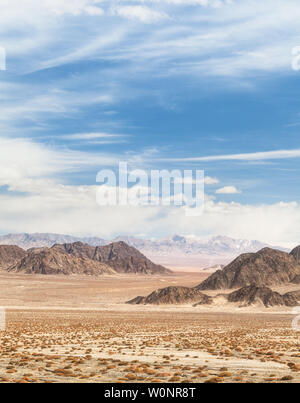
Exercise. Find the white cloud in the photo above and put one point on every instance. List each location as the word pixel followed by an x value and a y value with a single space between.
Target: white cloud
pixel 220 38
pixel 204 3
pixel 91 136
pixel 211 181
pixel 96 138
pixel 23 161
pixel 37 104
pixel 37 200
pixel 228 190
pixel 141 13
pixel 257 156
pixel 225 41
pixel 58 7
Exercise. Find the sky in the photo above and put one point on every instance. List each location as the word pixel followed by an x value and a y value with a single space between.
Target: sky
pixel 161 84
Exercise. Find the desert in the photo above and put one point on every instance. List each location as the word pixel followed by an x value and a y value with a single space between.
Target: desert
pixel 81 328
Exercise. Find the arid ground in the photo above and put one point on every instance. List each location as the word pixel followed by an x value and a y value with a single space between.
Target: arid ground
pixel 78 329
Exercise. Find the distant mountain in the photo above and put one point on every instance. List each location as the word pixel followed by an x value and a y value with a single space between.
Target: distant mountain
pixel 28 241
pixel 175 250
pixel 218 245
pixel 265 268
pixel 52 261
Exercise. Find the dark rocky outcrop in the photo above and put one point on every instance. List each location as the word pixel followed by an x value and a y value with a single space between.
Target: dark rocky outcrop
pixel 293 294
pixel 296 279
pixel 268 267
pixel 262 295
pixel 173 295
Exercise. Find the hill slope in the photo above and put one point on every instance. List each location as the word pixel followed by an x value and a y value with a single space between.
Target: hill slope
pixel 51 261
pixel 76 249
pixel 120 256
pixel 126 259
pixel 265 268
pixel 172 295
pixel 246 296
pixel 262 295
pixel 10 255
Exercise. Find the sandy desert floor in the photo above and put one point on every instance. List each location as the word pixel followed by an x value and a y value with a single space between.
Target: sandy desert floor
pixel 79 330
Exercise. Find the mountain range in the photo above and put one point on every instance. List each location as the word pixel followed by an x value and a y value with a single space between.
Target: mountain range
pixel 250 274
pixel 245 296
pixel 173 251
pixel 79 259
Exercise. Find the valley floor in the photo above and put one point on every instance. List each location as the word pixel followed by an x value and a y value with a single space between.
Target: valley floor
pixel 75 330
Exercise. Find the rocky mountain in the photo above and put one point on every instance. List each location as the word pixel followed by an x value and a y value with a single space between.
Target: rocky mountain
pixel 296 253
pixel 191 250
pixel 173 295
pixel 78 258
pixel 265 268
pixel 254 295
pixel 126 259
pixel 76 249
pixel 10 255
pixel 243 297
pixel 118 255
pixel 52 261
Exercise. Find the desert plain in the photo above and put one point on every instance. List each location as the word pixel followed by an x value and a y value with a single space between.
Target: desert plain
pixel 79 329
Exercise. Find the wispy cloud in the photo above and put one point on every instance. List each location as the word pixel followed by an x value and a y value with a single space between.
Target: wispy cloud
pixel 257 156
pixel 96 138
pixel 141 13
pixel 222 38
pixel 70 63
pixel 92 136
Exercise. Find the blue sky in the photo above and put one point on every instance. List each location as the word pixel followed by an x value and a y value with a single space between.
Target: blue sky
pixel 161 84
